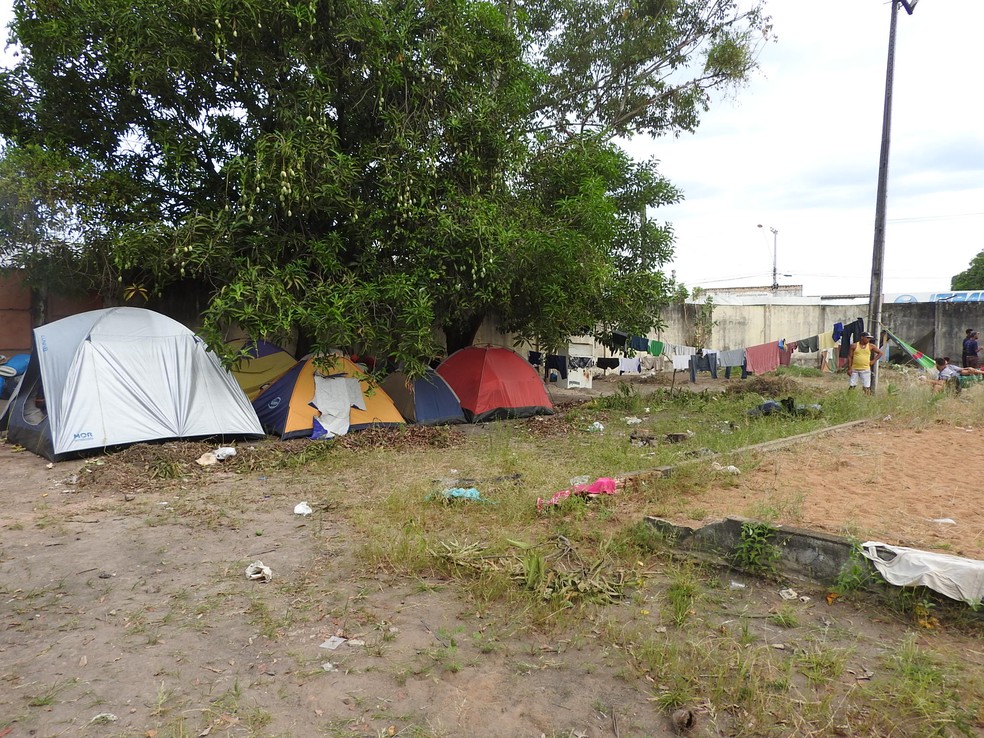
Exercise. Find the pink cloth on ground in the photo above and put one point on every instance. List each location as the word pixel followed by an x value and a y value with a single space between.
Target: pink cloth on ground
pixel 762 358
pixel 601 486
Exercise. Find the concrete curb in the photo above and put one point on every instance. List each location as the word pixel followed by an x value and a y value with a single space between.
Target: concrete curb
pixel 819 557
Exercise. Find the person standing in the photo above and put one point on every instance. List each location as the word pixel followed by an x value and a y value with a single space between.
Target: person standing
pixel 971 350
pixel 861 357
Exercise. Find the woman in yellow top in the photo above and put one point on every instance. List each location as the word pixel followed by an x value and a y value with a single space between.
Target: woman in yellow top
pixel 860 359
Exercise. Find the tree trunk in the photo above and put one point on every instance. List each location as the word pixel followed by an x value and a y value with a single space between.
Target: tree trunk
pixel 462 333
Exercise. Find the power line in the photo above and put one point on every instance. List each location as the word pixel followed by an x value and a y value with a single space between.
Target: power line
pixel 925 218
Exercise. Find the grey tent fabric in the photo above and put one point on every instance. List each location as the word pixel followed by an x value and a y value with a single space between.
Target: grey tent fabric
pixel 123 375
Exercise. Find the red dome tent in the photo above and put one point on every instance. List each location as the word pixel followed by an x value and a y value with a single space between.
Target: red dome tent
pixel 493 382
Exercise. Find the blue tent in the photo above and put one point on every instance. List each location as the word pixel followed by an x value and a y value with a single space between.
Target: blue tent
pixel 428 400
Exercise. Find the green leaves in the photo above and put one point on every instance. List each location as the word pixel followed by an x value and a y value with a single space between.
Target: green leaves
pixel 354 174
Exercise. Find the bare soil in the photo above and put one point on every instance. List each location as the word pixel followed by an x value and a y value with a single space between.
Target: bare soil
pixel 126 612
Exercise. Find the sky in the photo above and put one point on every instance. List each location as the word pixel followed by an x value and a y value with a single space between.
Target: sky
pixel 797 150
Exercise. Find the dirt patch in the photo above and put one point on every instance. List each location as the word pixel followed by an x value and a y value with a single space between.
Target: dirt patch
pixel 126 610
pixel 904 486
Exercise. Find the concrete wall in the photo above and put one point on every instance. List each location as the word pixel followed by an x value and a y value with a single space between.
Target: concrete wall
pixel 934 328
pixel 15 314
pixel 22 308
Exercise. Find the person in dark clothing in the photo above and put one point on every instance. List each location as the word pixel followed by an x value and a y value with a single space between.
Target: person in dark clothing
pixel 971 350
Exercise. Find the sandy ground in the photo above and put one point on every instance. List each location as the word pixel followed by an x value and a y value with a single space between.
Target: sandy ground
pixel 904 486
pixel 126 615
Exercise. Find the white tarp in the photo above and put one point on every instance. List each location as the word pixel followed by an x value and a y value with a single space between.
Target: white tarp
pixel 954 576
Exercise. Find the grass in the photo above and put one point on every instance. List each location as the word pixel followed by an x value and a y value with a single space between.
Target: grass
pixel 677 632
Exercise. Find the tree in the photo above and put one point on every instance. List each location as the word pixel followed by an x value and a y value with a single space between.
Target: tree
pixel 971 278
pixel 359 172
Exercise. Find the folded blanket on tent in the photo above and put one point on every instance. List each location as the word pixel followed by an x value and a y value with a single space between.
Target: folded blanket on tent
pixel 954 576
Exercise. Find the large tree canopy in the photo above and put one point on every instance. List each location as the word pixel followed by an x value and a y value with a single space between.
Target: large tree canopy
pixel 360 172
pixel 972 278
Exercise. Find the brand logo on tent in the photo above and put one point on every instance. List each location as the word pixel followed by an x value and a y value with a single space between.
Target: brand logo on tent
pixel 82 437
pixel 274 402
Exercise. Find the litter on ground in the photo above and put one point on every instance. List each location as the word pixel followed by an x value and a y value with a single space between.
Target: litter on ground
pixel 257 571
pixel 601 486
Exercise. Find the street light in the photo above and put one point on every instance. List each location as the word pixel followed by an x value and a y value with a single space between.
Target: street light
pixel 881 197
pixel 775 251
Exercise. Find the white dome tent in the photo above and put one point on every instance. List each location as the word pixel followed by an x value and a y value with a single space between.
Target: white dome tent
pixel 118 376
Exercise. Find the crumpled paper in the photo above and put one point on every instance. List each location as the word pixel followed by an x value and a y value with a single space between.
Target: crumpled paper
pixel 258 571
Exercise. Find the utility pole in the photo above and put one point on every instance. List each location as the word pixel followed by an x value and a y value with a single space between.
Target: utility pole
pixel 881 197
pixel 775 253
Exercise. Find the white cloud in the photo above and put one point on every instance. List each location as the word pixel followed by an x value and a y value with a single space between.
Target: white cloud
pixel 798 150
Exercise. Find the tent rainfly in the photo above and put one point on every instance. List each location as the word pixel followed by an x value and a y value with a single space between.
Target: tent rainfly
pixel 494 382
pixel 264 363
pixel 119 376
pixel 329 390
pixel 427 400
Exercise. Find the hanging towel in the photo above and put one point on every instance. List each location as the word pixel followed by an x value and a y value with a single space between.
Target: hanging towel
pixel 734 357
pixel 826 340
pixel 656 348
pixel 762 358
pixel 681 362
pixel 676 349
pixel 555 361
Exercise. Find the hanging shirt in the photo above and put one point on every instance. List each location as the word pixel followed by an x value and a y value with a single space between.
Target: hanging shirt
pixel 826 340
pixel 628 365
pixel 656 348
pixel 706 363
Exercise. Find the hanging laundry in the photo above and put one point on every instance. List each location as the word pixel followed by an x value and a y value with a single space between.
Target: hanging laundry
pixel 681 362
pixel 786 355
pixel 639 343
pixel 607 363
pixel 706 363
pixel 762 358
pixel 535 358
pixel 838 330
pixel 808 345
pixel 629 365
pixel 852 332
pixel 582 362
pixel 734 357
pixel 555 361
pixel 648 362
pixel 826 340
pixel 656 348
